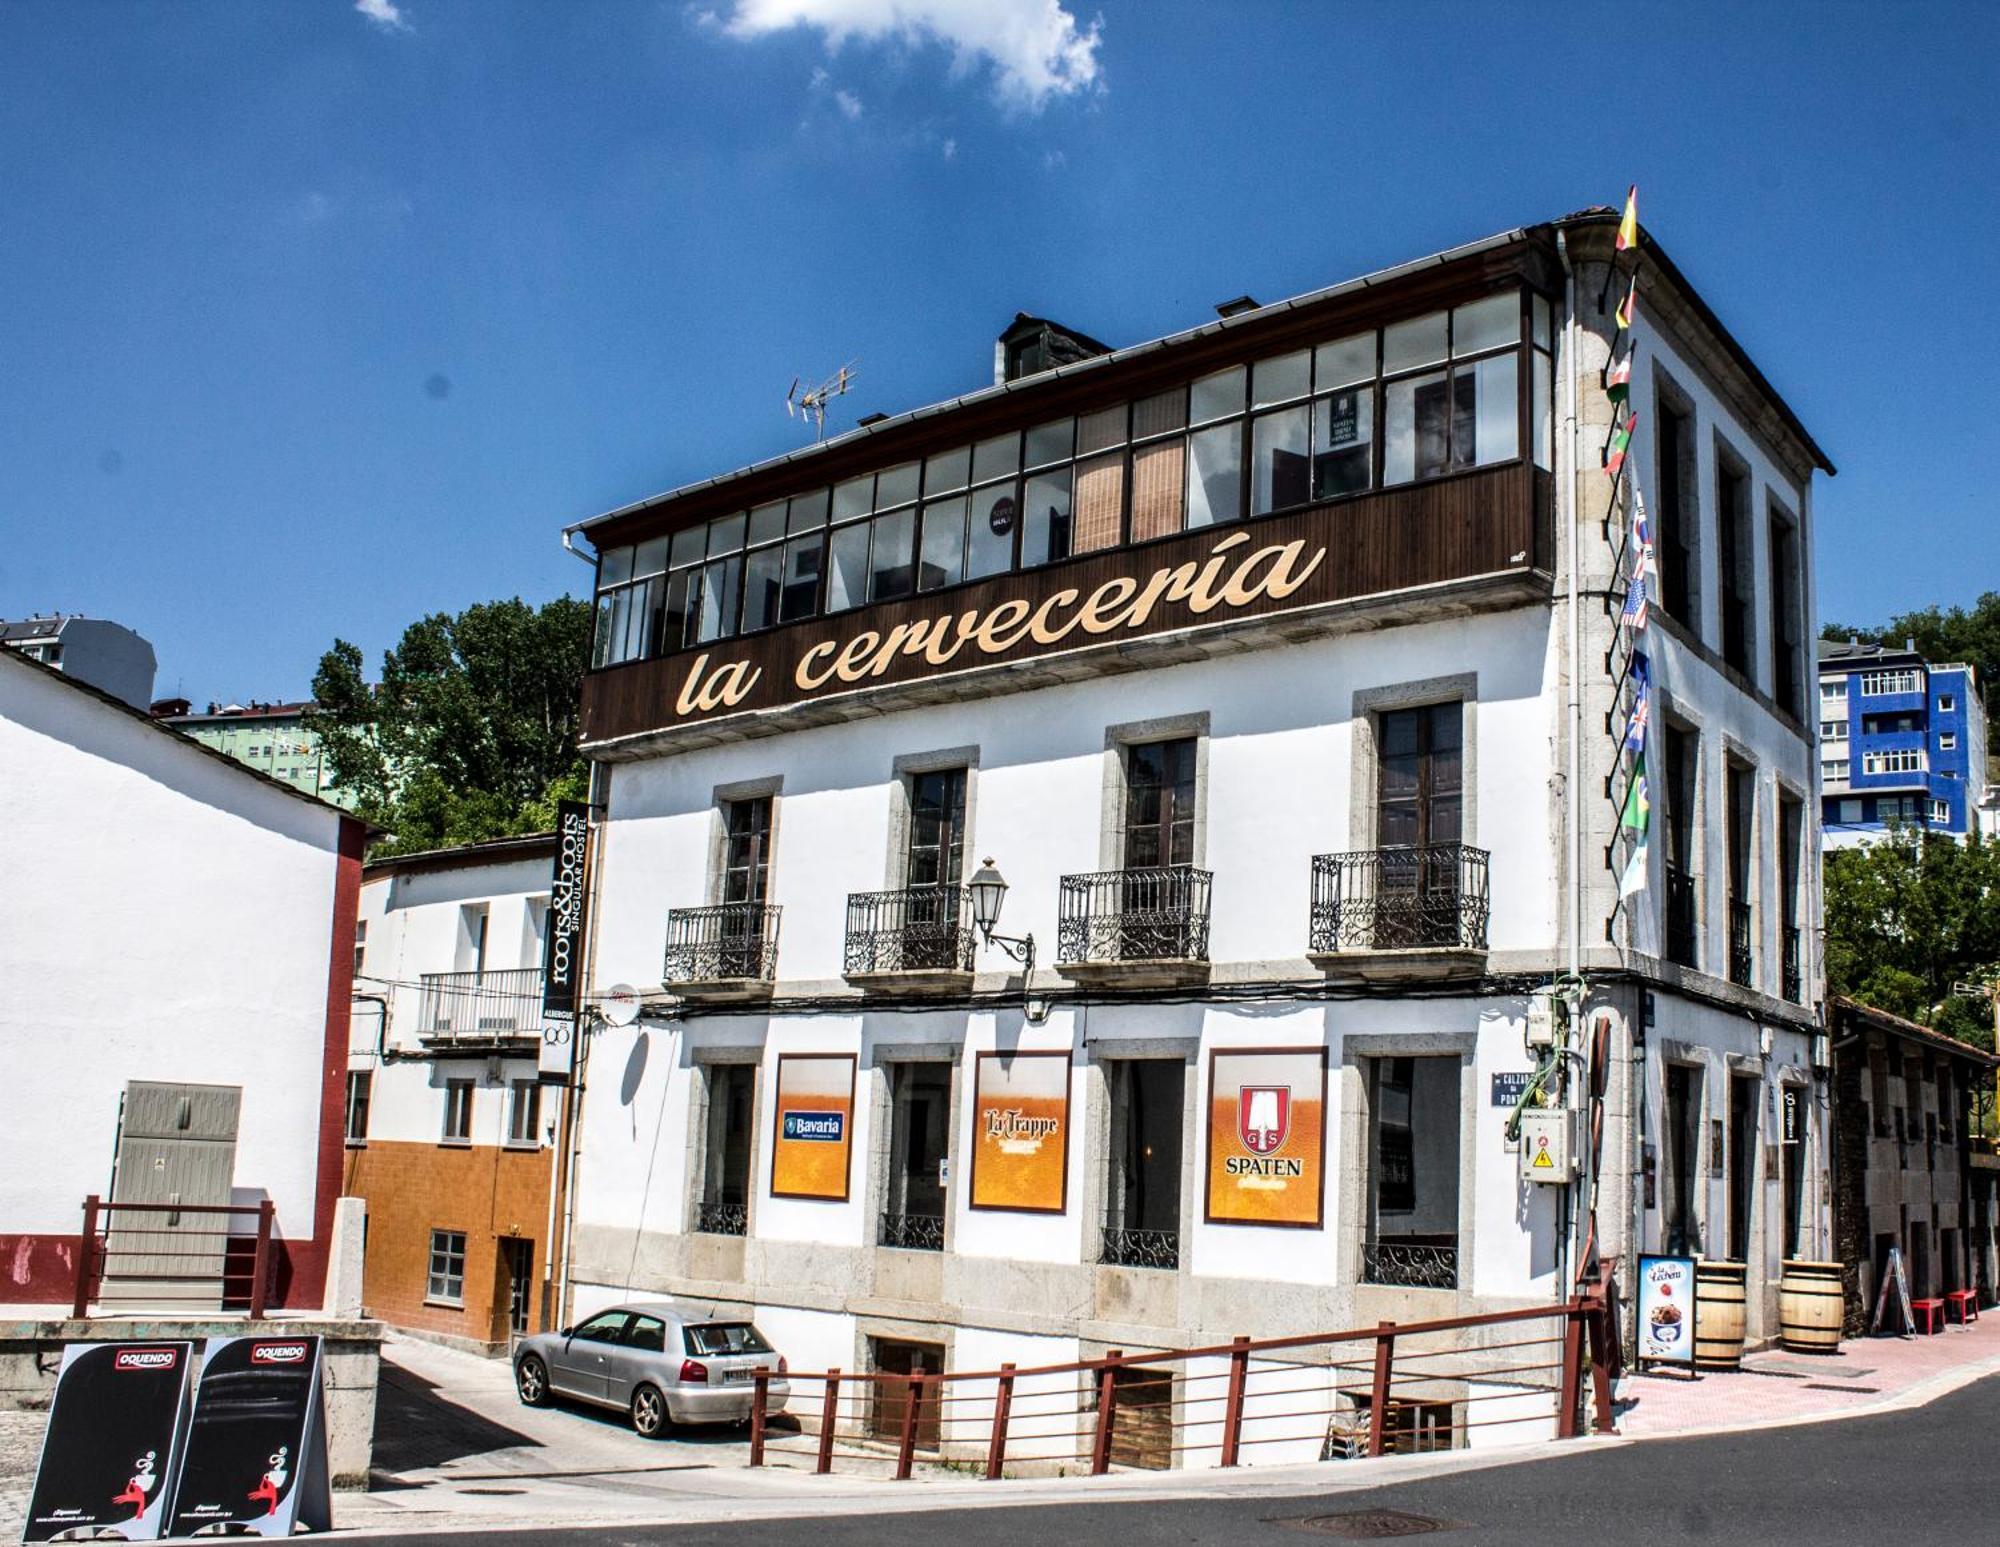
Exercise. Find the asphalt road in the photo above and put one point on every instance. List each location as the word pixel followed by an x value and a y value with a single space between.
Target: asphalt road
pixel 1909 1478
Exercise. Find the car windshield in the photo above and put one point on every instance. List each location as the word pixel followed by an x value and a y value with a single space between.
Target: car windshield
pixel 726 1337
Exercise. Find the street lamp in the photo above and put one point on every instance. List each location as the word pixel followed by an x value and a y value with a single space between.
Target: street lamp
pixel 989 890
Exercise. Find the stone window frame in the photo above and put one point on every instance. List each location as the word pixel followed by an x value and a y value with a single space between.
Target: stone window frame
pixel 1095 1192
pixel 1669 396
pixel 700 1061
pixel 1739 757
pixel 1119 740
pixel 771 785
pixel 881 1136
pixel 1690 1055
pixel 1364 771
pixel 1725 455
pixel 904 770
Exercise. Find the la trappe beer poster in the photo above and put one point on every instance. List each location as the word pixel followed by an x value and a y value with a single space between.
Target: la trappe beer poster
pixel 1020 1132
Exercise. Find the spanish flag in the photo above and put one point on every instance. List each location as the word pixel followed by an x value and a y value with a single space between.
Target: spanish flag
pixel 1628 228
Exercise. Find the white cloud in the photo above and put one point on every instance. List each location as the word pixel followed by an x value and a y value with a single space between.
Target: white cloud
pixel 384 13
pixel 848 103
pixel 1054 159
pixel 950 148
pixel 1034 47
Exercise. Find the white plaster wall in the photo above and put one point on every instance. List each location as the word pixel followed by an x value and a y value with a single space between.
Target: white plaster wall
pixel 172 919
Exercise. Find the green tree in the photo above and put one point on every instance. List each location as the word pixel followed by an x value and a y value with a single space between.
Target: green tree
pixel 471 731
pixel 1909 917
pixel 1943 634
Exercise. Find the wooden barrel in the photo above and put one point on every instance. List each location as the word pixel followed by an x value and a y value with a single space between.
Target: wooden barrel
pixel 1718 1315
pixel 1811 1306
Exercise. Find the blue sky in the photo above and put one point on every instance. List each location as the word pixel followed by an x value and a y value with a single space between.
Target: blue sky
pixel 324 316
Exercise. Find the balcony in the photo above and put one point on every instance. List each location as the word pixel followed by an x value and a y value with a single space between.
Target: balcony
pixel 1139 927
pixel 1680 941
pixel 480 1008
pixel 1410 1264
pixel 1140 1248
pixel 721 1218
pixel 912 1232
pixel 1401 913
pixel 729 951
pixel 1794 975
pixel 919 939
pixel 1742 958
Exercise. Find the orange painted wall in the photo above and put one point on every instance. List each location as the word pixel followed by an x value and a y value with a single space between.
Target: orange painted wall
pixel 482 1189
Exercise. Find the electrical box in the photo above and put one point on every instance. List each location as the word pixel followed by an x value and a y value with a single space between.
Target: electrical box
pixel 1549 1145
pixel 1541 1020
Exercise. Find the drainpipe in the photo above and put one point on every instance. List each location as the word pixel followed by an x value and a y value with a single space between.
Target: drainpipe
pixel 1566 509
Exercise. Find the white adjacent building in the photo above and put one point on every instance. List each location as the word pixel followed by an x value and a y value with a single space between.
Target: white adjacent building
pixel 1274 665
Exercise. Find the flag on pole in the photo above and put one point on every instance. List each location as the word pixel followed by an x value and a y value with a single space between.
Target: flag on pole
pixel 1618 379
pixel 1628 309
pixel 1633 616
pixel 1628 228
pixel 1642 704
pixel 1621 442
pixel 1636 819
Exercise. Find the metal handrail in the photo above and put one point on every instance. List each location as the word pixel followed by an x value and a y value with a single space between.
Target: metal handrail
pixel 731 940
pixel 910 929
pixel 912 1232
pixel 1409 1265
pixel 503 1001
pixel 722 1218
pixel 94 1249
pixel 1149 913
pixel 1401 898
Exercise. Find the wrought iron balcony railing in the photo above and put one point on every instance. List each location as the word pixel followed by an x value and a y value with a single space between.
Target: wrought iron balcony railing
pixel 916 929
pixel 1792 965
pixel 1680 942
pixel 1742 959
pixel 912 1232
pixel 1399 899
pixel 1409 1265
pixel 480 1005
pixel 1141 1248
pixel 722 1218
pixel 1154 914
pixel 733 940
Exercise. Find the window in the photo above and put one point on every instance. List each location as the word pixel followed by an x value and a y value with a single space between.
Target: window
pixel 919 1118
pixel 360 1084
pixel 1791 838
pixel 1784 611
pixel 1680 513
pixel 646 1335
pixel 1946 703
pixel 1159 804
pixel 1948 741
pixel 458 1111
pixel 605 1327
pixel 1833 692
pixel 1412 1220
pixel 1142 1198
pixel 524 1114
pixel 725 1176
pixel 935 855
pixel 1732 503
pixel 534 931
pixel 1897 760
pixel 360 946
pixel 1896 808
pixel 471 950
pixel 446 1285
pixel 720 1339
pixel 1849 812
pixel 1680 1137
pixel 1833 730
pixel 1746 1101
pixel 746 850
pixel 1683 918
pixel 1833 770
pixel 1740 790
pixel 1877 684
pixel 1452 390
pixel 1940 813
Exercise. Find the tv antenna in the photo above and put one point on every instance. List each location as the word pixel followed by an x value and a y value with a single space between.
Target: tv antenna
pixel 811 403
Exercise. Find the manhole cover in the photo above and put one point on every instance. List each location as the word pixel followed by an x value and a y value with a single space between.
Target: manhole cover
pixel 1371 1525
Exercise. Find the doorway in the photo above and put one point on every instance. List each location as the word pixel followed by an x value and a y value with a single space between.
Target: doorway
pixel 893 1356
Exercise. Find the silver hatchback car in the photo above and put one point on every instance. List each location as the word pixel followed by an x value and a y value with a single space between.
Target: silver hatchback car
pixel 662 1361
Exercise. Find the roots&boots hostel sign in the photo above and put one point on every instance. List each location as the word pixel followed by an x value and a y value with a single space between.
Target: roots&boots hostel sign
pixel 125 1455
pixel 562 957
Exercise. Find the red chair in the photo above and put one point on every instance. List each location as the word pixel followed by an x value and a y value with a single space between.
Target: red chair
pixel 1965 1302
pixel 1930 1315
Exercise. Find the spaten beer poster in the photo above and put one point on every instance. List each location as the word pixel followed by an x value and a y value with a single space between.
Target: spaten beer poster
pixel 812 1126
pixel 1020 1132
pixel 1266 1136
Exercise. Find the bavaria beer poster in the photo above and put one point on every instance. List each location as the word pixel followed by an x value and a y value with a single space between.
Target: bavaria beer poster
pixel 1020 1132
pixel 1266 1136
pixel 113 1440
pixel 812 1126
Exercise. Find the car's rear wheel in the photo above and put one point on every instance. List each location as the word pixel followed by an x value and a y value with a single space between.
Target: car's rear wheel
pixel 531 1381
pixel 649 1412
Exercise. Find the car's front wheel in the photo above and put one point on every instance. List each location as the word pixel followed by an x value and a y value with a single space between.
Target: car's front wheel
pixel 649 1412
pixel 531 1381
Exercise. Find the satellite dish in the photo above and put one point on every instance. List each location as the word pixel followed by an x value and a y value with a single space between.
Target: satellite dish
pixel 621 1005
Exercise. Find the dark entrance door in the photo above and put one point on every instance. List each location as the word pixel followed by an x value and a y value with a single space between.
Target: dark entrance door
pixel 892 1397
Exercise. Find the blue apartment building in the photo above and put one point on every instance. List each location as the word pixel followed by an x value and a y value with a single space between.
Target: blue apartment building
pixel 1900 741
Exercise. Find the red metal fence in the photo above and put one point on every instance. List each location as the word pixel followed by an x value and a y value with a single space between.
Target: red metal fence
pixel 125 1263
pixel 1368 1391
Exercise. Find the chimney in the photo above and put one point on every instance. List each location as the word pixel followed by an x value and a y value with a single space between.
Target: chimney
pixel 1031 345
pixel 1235 308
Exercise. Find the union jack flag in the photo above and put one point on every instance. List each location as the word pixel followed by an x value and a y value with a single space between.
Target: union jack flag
pixel 1642 704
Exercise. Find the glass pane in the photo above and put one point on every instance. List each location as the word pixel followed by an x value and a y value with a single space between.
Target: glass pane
pixel 1541 321
pixel 639 630
pixel 891 559
pixel 725 535
pixel 1160 414
pixel 847 567
pixel 1100 502
pixel 614 567
pixel 1486 324
pixel 943 561
pixel 1486 425
pixel 650 558
pixel 1343 442
pixel 690 544
pixel 1046 515
pixel 767 522
pixel 760 587
pixel 1051 442
pixel 896 486
pixel 1098 431
pixel 1414 435
pixel 1215 475
pixel 1213 396
pixel 619 603
pixel 1278 460
pixel 720 581
pixel 1156 488
pixel 808 512
pixel 801 593
pixel 995 512
pixel 856 497
pixel 1344 362
pixel 996 457
pixel 1281 379
pixel 947 470
pixel 1542 409
pixel 1420 341
pixel 673 631
pixel 600 640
